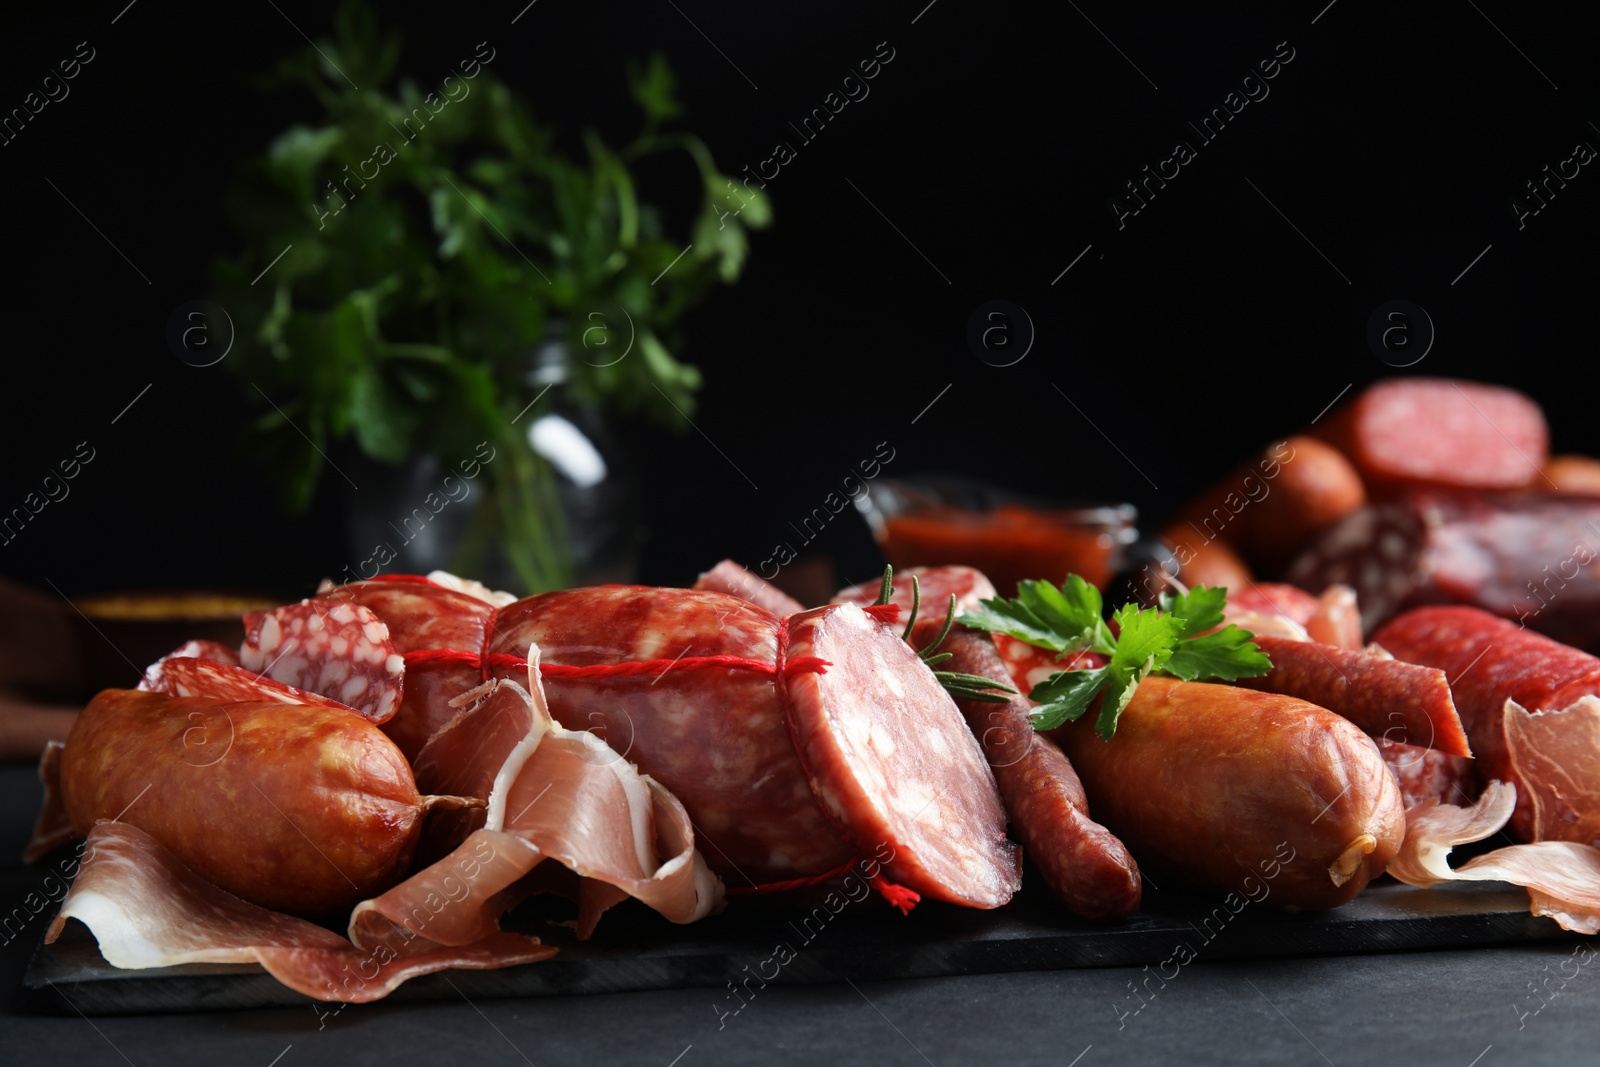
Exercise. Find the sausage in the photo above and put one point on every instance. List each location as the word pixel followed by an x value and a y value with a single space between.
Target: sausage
pixel 301 809
pixel 1083 864
pixel 1526 555
pixel 1231 788
pixel 1571 474
pixel 717 740
pixel 1490 661
pixel 1422 432
pixel 1210 563
pixel 1267 509
pixel 1403 702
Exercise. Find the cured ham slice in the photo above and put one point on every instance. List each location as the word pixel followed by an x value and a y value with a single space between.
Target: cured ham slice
pixel 560 794
pixel 1272 609
pixel 146 909
pixel 53 828
pixel 1337 620
pixel 1273 598
pixel 1562 877
pixel 1557 757
pixel 497 598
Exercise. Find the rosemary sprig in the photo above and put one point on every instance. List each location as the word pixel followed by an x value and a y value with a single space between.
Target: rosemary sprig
pixel 958 685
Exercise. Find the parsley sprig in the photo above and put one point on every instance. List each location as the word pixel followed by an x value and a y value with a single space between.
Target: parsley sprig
pixel 1068 619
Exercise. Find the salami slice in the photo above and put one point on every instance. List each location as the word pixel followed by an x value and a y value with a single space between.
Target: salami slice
pixel 1527 556
pixel 190 676
pixel 888 753
pixel 339 650
pixel 1407 432
pixel 1083 864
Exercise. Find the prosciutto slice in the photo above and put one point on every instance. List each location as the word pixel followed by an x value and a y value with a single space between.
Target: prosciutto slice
pixel 148 910
pixel 53 828
pixel 1562 877
pixel 552 793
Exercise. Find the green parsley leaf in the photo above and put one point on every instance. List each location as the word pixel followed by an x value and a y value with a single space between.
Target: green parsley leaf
pixel 1171 639
pixel 1200 608
pixel 1064 620
pixel 1065 696
pixel 1227 654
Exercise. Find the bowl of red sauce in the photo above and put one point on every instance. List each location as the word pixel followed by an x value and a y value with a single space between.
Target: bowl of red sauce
pixel 930 521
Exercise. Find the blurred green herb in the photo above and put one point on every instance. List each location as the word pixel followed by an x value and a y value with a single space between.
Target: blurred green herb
pixel 435 234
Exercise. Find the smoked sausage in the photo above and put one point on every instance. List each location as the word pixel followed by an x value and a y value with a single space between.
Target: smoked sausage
pixel 1083 864
pixel 1223 785
pixel 306 809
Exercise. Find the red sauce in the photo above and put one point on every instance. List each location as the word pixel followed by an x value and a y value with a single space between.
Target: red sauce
pixel 1010 543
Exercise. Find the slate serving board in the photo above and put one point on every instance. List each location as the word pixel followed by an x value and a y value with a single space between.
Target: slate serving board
pixel 634 949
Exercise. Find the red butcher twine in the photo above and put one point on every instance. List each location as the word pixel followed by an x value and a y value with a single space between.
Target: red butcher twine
pixel 798 745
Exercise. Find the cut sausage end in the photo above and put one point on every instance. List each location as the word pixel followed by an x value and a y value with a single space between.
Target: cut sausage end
pixel 1350 860
pixel 891 758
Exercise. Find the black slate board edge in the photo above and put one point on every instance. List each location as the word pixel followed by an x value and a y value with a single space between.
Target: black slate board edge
pixel 71 977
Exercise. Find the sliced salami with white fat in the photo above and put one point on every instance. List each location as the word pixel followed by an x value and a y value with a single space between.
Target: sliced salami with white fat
pixel 894 763
pixel 190 676
pixel 339 650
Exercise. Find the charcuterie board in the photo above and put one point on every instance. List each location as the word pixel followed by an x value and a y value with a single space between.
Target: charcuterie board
pixel 781 942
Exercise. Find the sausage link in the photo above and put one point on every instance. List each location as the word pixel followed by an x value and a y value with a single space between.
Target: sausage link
pixel 1083 863
pixel 1240 790
pixel 301 808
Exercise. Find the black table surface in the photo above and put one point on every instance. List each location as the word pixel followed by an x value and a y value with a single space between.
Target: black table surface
pixel 1485 1006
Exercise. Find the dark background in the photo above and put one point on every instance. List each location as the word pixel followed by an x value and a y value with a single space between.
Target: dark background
pixel 1395 141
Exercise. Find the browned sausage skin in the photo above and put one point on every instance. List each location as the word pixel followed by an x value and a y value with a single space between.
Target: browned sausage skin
pixel 1237 790
pixel 304 809
pixel 1083 863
